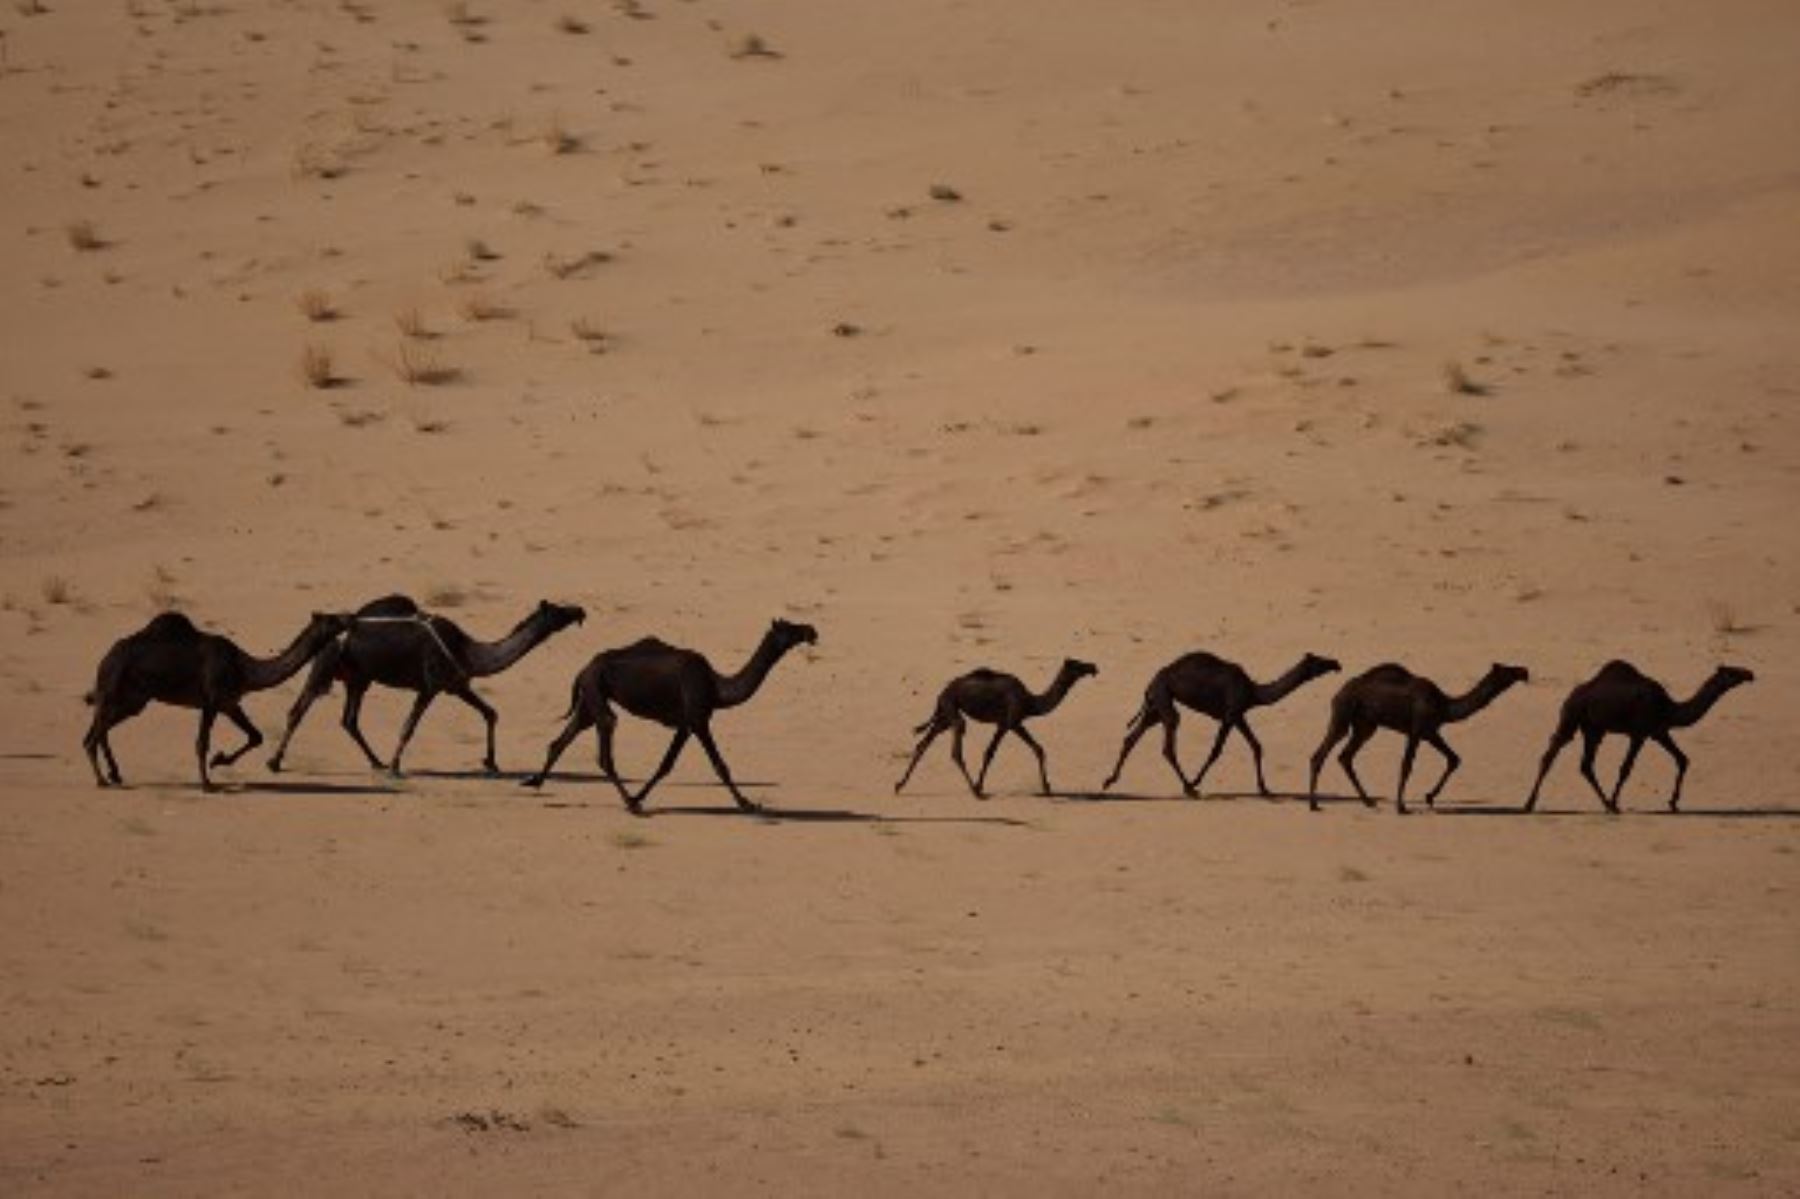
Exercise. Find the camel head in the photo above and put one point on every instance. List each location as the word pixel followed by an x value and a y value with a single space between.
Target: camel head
pixel 1076 668
pixel 557 617
pixel 1506 676
pixel 788 634
pixel 1733 676
pixel 1314 665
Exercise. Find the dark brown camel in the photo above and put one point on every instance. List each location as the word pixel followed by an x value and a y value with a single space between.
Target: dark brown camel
pixel 170 661
pixel 1622 699
pixel 998 699
pixel 397 644
pixel 1223 691
pixel 1392 697
pixel 675 687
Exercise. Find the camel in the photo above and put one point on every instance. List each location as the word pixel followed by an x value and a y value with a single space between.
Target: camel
pixel 1221 690
pixel 170 661
pixel 998 699
pixel 675 687
pixel 1392 697
pixel 1622 699
pixel 397 644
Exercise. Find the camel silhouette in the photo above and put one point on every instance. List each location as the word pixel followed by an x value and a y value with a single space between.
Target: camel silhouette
pixel 998 699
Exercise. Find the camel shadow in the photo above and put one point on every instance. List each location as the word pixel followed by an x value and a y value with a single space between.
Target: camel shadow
pixel 1774 813
pixel 286 787
pixel 768 815
pixel 1106 797
pixel 474 776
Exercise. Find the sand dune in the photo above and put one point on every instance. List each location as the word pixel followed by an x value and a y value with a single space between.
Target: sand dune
pixel 973 335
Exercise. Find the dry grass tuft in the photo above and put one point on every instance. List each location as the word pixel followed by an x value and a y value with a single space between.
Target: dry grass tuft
pixel 566 268
pixel 480 307
pixel 479 251
pixel 1458 382
pixel 569 23
pixel 83 235
pixel 315 306
pixel 313 161
pixel 57 590
pixel 1725 620
pixel 752 45
pixel 945 193
pixel 412 325
pixel 316 367
pixel 446 595
pixel 416 366
pixel 597 340
pixel 558 139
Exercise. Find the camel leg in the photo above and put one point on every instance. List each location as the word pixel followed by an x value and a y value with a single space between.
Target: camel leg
pixel 1218 747
pixel 703 734
pixel 318 682
pixel 1681 764
pixel 987 760
pixel 411 726
pixel 252 737
pixel 112 763
pixel 1333 734
pixel 203 744
pixel 571 730
pixel 1565 733
pixel 1138 728
pixel 95 744
pixel 1256 755
pixel 605 723
pixel 1406 764
pixel 1451 762
pixel 1024 735
pixel 1590 745
pixel 1631 753
pixel 354 692
pixel 956 749
pixel 932 730
pixel 667 764
pixel 489 717
pixel 1359 737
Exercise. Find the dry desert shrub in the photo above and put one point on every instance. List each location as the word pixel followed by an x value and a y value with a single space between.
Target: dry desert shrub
pixel 416 366
pixel 412 325
pixel 83 235
pixel 753 45
pixel 569 23
pixel 565 268
pixel 591 335
pixel 314 161
pixel 316 367
pixel 1458 382
pixel 481 307
pixel 57 590
pixel 315 306
pixel 557 138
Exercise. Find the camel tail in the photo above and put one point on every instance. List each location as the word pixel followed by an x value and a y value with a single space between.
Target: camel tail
pixel 1143 711
pixel 90 698
pixel 574 699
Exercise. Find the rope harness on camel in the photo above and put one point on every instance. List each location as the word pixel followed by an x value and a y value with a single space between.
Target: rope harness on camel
pixel 423 620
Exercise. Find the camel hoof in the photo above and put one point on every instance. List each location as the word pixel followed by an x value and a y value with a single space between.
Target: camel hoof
pixel 274 765
pixel 534 782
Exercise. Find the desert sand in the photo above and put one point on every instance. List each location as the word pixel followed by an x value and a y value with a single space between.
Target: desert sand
pixel 972 334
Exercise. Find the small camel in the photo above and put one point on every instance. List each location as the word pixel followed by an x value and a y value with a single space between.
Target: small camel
pixel 998 699
pixel 1221 690
pixel 1622 699
pixel 399 645
pixel 675 687
pixel 1392 697
pixel 170 661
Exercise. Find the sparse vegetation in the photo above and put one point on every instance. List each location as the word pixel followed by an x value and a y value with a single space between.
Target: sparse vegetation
pixel 84 235
pixel 569 23
pixel 557 138
pixel 597 340
pixel 753 45
pixel 481 307
pixel 315 306
pixel 57 590
pixel 416 366
pixel 412 325
pixel 314 161
pixel 567 268
pixel 1458 382
pixel 944 193
pixel 316 367
pixel 446 595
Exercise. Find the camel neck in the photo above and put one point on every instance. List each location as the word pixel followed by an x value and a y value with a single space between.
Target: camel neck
pixel 1059 688
pixel 1279 689
pixel 262 673
pixel 1700 703
pixel 492 657
pixel 738 688
pixel 1480 696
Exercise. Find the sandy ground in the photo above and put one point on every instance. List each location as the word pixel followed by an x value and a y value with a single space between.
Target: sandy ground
pixel 622 316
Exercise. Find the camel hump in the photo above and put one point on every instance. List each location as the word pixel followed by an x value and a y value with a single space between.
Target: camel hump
pixel 390 605
pixel 1618 668
pixel 985 673
pixel 172 626
pixel 646 645
pixel 1388 672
